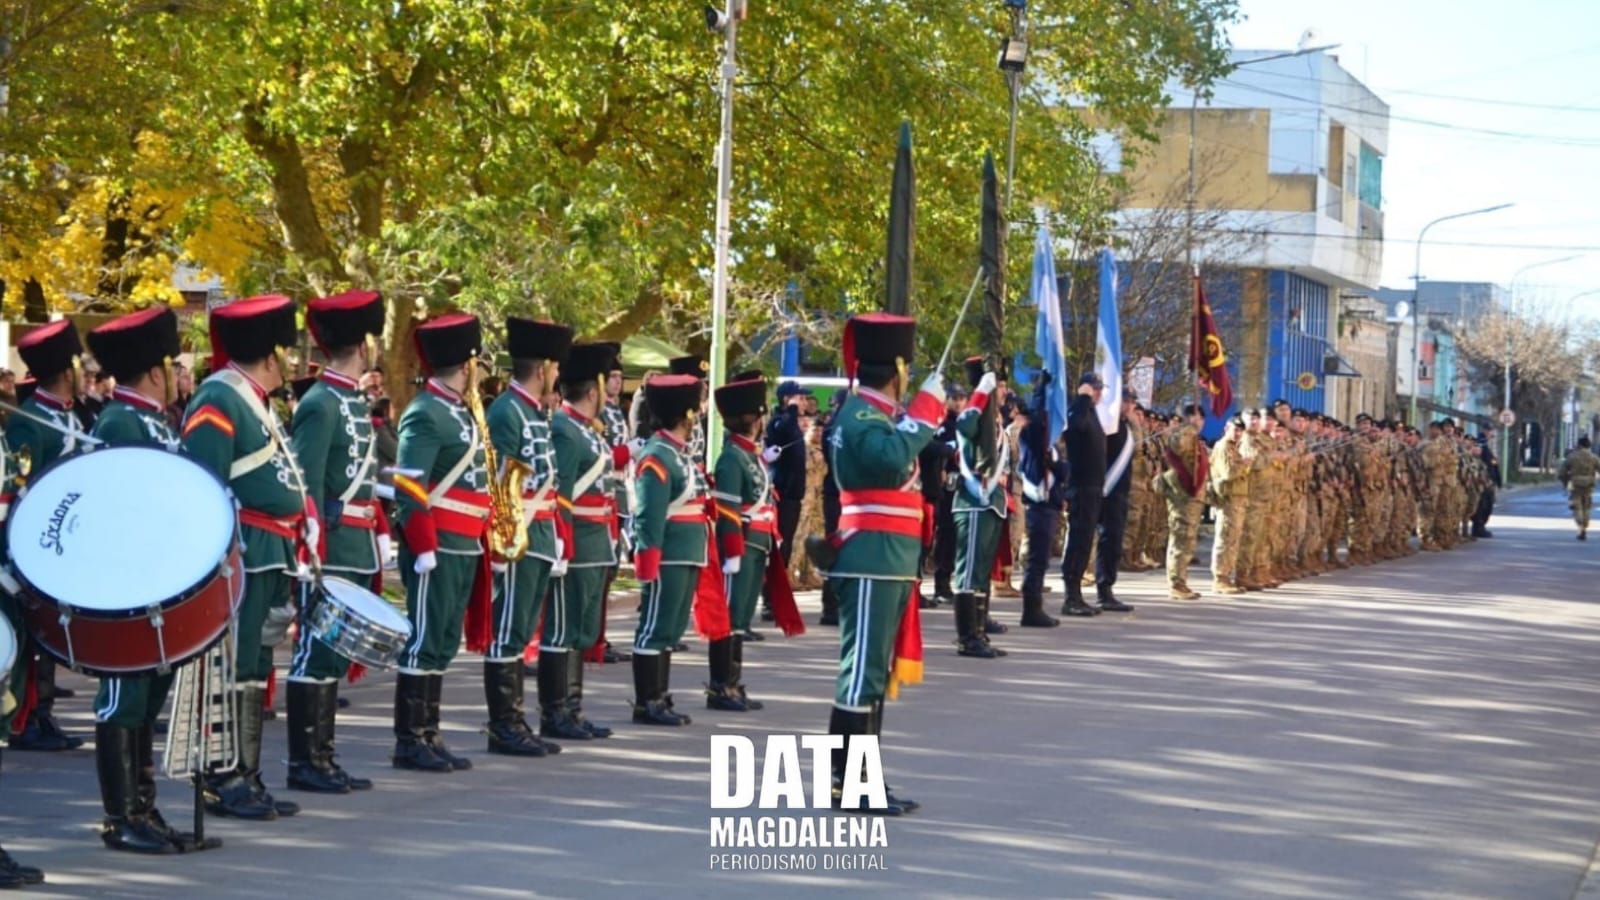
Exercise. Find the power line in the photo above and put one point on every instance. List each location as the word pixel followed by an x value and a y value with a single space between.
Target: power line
pixel 1494 245
pixel 1518 104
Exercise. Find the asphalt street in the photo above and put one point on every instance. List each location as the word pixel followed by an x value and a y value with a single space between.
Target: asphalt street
pixel 1428 727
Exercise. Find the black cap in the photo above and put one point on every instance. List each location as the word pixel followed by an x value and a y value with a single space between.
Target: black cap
pixel 533 339
pixel 688 365
pixel 251 330
pixel 1091 378
pixel 879 339
pixel 974 368
pixel 738 398
pixel 129 346
pixel 789 389
pixel 587 363
pixel 449 340
pixel 345 320
pixel 49 349
pixel 672 396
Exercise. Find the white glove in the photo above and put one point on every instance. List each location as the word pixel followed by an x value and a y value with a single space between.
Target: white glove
pixel 385 549
pixel 313 532
pixel 731 566
pixel 986 384
pixel 426 562
pixel 561 548
pixel 303 573
pixel 276 626
pixel 558 569
pixel 8 581
pixel 635 447
pixel 499 568
pixel 771 454
pixel 933 385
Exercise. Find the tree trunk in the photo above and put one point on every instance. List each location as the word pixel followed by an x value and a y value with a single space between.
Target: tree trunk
pixel 293 204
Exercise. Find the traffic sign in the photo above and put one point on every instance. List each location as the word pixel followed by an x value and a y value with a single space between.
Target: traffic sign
pixel 1508 418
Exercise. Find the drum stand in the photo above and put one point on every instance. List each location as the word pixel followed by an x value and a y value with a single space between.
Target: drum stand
pixel 204 735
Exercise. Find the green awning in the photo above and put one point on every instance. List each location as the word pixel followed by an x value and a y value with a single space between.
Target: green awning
pixel 642 353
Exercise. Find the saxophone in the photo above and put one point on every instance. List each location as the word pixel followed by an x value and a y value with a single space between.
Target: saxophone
pixel 508 534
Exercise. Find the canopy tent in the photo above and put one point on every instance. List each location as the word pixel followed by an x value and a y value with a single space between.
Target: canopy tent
pixel 642 353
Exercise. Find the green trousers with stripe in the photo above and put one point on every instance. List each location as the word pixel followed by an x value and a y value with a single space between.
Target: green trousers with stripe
pixel 263 591
pixel 313 661
pixel 745 588
pixel 436 604
pixel 664 607
pixel 869 618
pixel 977 541
pixel 572 620
pixel 519 594
pixel 132 702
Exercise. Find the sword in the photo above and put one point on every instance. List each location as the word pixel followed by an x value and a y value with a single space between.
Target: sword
pixel 69 432
pixel 945 357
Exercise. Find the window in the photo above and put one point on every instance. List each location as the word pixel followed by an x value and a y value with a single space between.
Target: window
pixel 1371 177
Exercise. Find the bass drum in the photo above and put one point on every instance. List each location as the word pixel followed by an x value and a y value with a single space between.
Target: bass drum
pixel 128 558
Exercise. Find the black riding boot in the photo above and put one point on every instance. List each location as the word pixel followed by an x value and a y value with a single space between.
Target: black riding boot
pixel 307 770
pixel 720 693
pixel 849 724
pixel 116 757
pixel 651 705
pixel 13 875
pixel 41 732
pixel 411 748
pixel 185 841
pixel 430 727
pixel 509 734
pixel 877 729
pixel 982 624
pixel 575 698
pixel 969 629
pixel 737 675
pixel 236 794
pixel 555 719
pixel 328 705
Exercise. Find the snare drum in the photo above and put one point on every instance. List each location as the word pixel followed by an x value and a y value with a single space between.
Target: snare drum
pixel 359 624
pixel 128 558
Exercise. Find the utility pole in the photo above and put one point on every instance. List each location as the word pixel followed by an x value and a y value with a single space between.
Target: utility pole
pixel 726 21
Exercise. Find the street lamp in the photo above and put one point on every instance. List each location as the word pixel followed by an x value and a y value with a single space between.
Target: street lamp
pixel 1013 61
pixel 1416 302
pixel 726 21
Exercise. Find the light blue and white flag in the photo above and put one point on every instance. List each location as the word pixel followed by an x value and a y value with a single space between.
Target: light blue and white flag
pixel 1108 345
pixel 1049 340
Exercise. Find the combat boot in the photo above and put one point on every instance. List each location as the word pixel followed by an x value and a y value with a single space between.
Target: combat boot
pixel 117 763
pixel 1180 591
pixel 411 749
pixel 1074 605
pixel 1033 614
pixel 1108 600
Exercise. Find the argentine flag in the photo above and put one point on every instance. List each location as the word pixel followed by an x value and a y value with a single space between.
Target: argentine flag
pixel 1108 346
pixel 1049 340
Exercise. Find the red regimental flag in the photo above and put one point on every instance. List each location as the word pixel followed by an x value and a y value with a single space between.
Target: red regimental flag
pixel 1207 359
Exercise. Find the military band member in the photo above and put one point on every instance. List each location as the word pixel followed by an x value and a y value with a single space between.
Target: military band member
pixel 230 429
pixel 334 443
pixel 873 454
pixel 984 460
pixel 12 874
pixel 696 367
pixel 747 526
pixel 585 463
pixel 52 353
pixel 441 490
pixel 519 425
pixel 670 541
pixel 137 350
pixel 615 420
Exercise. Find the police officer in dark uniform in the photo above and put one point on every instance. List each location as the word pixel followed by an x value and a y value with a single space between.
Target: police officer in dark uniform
pixel 1086 455
pixel 1044 495
pixel 1114 514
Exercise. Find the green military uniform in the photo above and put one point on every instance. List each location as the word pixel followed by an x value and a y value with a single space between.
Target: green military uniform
pixel 746 527
pixel 520 430
pixel 614 421
pixel 586 481
pixel 230 429
pixel 873 459
pixel 1578 472
pixel 983 456
pixel 671 545
pixel 442 509
pixel 132 418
